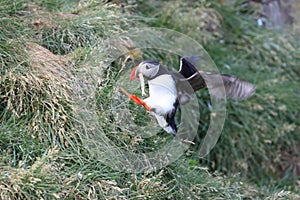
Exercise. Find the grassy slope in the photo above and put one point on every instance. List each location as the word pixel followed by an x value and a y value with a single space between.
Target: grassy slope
pixel 40 148
pixel 265 124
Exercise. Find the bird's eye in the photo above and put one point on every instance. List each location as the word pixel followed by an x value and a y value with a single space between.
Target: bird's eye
pixel 147 67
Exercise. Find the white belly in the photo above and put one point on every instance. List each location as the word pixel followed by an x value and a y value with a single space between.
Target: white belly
pixel 162 94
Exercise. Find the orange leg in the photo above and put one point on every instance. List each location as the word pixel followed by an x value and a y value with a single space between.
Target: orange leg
pixel 135 99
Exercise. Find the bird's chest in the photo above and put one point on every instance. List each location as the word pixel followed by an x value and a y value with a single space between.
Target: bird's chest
pixel 162 93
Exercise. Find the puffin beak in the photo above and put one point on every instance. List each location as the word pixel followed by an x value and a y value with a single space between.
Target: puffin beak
pixel 133 74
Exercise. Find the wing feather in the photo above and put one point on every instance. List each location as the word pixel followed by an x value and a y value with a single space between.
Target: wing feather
pixel 235 88
pixel 189 77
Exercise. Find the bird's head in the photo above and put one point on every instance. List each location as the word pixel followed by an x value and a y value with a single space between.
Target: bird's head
pixel 147 68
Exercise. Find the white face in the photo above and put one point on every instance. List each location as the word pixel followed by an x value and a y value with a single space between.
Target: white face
pixel 148 68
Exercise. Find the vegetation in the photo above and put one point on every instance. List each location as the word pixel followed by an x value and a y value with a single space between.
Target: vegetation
pixel 44 45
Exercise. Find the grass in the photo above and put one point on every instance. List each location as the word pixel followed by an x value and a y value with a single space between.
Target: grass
pixel 259 125
pixel 45 47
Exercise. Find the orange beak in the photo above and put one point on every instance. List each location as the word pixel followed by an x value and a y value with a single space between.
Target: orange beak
pixel 133 74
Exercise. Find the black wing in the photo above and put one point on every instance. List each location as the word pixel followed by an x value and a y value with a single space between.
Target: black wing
pixel 234 87
pixel 187 66
pixel 188 80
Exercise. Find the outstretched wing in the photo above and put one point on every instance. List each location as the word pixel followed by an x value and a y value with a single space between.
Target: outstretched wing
pixel 234 87
pixel 189 77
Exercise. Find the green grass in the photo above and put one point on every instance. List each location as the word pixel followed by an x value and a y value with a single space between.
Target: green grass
pixel 46 45
pixel 266 123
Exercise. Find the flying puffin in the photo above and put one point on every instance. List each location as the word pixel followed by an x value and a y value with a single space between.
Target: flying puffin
pixel 168 90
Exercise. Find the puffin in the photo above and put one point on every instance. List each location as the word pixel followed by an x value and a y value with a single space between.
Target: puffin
pixel 169 89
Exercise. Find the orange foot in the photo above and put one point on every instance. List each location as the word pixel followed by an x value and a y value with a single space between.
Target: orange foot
pixel 136 99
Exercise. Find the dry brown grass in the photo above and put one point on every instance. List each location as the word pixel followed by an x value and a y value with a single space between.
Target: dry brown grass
pixel 15 180
pixel 41 94
pixel 48 66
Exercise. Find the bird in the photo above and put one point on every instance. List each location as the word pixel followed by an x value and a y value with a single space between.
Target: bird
pixel 169 89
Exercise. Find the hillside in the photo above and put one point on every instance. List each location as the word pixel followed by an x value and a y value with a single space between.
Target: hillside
pixel 67 132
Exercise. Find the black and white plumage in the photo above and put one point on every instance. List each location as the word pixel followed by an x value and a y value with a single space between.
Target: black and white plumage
pixel 168 90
